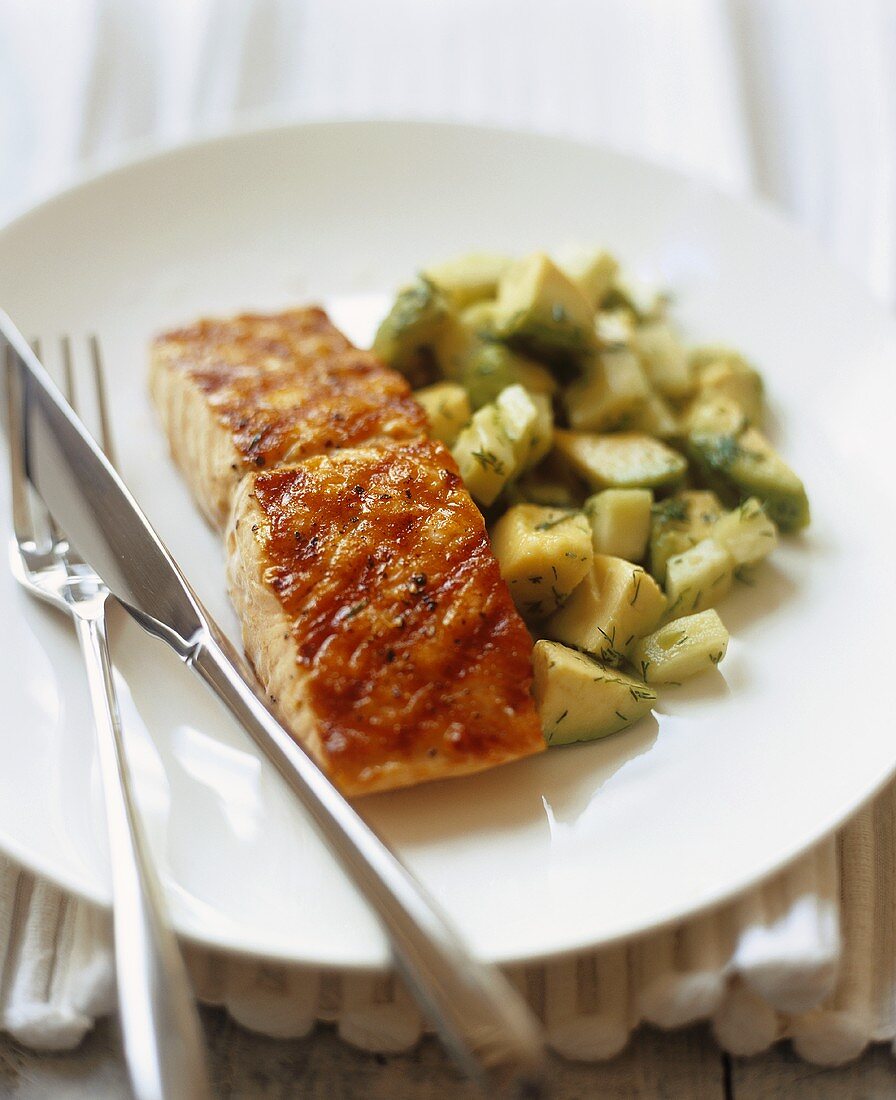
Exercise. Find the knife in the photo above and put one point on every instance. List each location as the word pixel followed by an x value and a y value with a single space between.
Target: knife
pixel 482 1020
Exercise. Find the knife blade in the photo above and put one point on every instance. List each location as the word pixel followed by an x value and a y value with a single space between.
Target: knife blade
pixel 93 506
pixel 481 1018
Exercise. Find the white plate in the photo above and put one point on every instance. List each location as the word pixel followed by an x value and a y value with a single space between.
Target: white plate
pixel 735 775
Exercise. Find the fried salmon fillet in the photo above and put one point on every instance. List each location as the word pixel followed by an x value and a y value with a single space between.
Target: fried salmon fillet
pixel 375 615
pixel 257 391
pixel 371 603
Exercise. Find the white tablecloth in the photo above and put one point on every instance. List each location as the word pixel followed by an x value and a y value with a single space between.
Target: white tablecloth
pixel 794 100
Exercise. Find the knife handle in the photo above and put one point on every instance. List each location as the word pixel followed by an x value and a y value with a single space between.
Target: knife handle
pixel 481 1018
pixel 161 1033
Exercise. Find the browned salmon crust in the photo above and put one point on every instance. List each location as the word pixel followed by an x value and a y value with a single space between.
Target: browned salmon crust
pixel 371 603
pixel 257 391
pixel 407 658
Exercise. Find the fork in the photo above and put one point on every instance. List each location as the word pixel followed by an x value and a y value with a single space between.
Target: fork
pixel 161 1032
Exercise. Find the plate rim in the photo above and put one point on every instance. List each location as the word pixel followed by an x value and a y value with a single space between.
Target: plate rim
pixel 142 153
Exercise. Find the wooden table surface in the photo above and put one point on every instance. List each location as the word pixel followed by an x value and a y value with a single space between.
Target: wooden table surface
pixel 656 1066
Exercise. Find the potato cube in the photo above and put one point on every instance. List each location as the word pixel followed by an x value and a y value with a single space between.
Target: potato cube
pixel 620 522
pixel 723 372
pixel 698 578
pixel 746 533
pixel 528 422
pixel 484 455
pixel 682 648
pixel 665 360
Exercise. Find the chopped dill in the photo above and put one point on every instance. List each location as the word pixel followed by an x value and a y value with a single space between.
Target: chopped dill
pixel 610 654
pixel 678 600
pixel 547 524
pixel 489 461
pixel 637 587
pixel 722 452
pixel 672 510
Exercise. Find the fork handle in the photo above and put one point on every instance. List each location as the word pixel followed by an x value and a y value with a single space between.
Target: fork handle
pixel 160 1026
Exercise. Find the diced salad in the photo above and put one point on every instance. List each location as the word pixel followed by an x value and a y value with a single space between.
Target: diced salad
pixel 624 476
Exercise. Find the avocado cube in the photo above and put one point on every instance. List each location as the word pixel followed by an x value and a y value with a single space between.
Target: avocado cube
pixel 615 327
pixel 543 553
pixel 447 409
pixel 592 270
pixel 615 604
pixel 468 279
pixel 491 367
pixel 680 522
pixel 541 313
pixel 737 381
pixel 579 699
pixel 621 460
pixel 407 335
pixel 713 414
pixel 551 482
pixel 609 393
pixel 451 348
pixel 656 417
pixel 665 360
pixel 501 440
pixel 479 318
pixel 746 465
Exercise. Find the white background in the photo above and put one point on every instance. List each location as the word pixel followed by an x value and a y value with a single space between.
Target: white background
pixel 791 99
